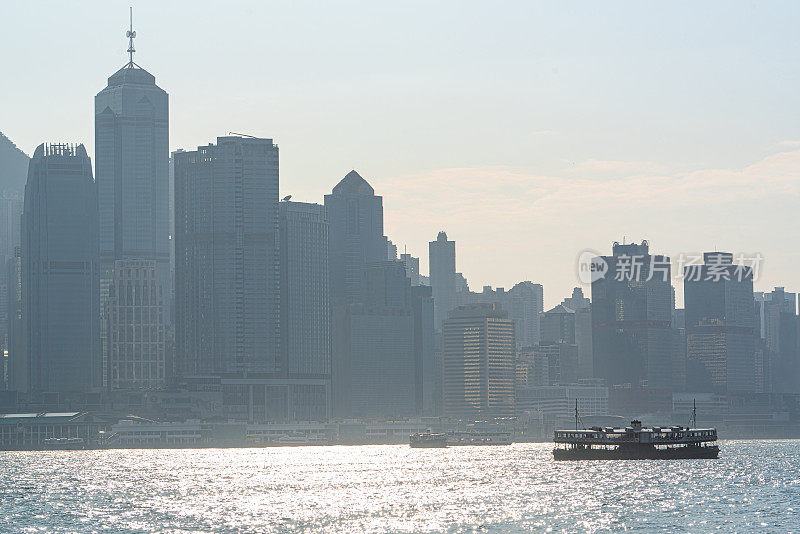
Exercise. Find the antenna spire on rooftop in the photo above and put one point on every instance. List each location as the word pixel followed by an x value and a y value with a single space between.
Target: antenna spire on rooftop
pixel 131 35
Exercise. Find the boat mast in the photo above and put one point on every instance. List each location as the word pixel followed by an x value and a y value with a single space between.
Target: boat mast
pixel 694 414
pixel 576 413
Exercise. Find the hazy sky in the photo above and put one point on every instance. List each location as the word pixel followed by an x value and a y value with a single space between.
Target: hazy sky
pixel 528 131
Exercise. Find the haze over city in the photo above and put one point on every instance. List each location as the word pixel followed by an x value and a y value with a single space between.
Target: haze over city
pixel 399 267
pixel 528 131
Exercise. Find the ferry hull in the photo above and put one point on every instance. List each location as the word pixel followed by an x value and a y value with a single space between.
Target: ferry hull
pixel 438 444
pixel 637 453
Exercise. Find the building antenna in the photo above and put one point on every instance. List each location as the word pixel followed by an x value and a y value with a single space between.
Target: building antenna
pixel 131 35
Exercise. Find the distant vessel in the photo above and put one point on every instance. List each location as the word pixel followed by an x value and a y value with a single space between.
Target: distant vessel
pixel 477 437
pixel 64 444
pixel 428 440
pixel 636 442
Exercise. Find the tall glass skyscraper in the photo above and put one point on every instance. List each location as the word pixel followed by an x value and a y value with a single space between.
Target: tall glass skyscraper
pixel 60 271
pixel 720 325
pixel 356 239
pixel 132 170
pixel 632 317
pixel 227 311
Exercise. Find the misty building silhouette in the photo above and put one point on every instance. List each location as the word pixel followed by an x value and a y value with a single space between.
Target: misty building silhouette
pixel 305 308
pixel 60 271
pixel 227 313
pixel 719 320
pixel 131 169
pixel 355 215
pixel 778 367
pixel 631 319
pixel 374 370
pixel 442 258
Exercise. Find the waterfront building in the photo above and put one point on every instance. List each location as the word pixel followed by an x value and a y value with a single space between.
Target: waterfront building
pixel 60 271
pixel 378 349
pixel 136 327
pixel 479 369
pixel 132 170
pixel 305 300
pixel 227 313
pixel 555 403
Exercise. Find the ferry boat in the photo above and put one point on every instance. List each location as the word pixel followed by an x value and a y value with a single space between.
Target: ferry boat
pixel 636 442
pixel 428 440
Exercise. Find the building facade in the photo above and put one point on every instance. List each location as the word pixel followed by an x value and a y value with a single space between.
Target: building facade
pixel 720 325
pixel 442 260
pixel 478 359
pixel 355 215
pixel 60 271
pixel 631 318
pixel 305 298
pixel 136 327
pixel 131 168
pixel 227 273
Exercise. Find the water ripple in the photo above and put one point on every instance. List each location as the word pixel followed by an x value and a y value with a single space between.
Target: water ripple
pixel 754 486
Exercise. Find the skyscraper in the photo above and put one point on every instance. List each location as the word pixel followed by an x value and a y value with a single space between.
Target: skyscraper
pixel 227 258
pixel 305 304
pixel 136 327
pixel 719 321
pixel 780 365
pixel 374 364
pixel 478 347
pixel 631 318
pixel 412 267
pixel 525 304
pixel 442 259
pixel 131 168
pixel 355 215
pixel 60 271
pixel 17 355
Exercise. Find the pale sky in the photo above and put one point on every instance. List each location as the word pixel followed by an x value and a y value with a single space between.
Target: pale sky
pixel 529 131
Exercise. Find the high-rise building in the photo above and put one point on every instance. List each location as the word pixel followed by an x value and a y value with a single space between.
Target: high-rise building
pixel 60 271
pixel 355 215
pixel 631 318
pixel 719 321
pixel 479 368
pixel 374 371
pixel 10 211
pixel 136 327
pixel 780 360
pixel 442 263
pixel 525 303
pixel 15 335
pixel 305 304
pixel 132 171
pixel 425 374
pixel 412 268
pixel 227 311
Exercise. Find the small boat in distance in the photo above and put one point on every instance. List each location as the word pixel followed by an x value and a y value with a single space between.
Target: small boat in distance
pixel 475 437
pixel 64 444
pixel 636 442
pixel 428 440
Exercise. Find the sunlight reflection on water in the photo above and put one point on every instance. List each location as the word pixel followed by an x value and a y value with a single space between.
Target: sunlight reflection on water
pixel 754 486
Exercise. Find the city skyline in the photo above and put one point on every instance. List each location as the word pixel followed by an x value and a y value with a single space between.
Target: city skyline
pixel 606 187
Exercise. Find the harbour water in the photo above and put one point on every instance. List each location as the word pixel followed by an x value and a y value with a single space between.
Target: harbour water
pixel 753 486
